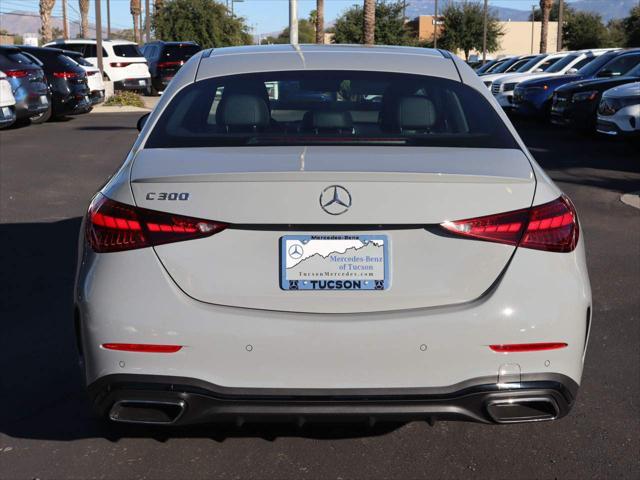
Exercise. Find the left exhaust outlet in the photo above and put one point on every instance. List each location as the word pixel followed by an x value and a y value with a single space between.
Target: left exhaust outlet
pixel 147 411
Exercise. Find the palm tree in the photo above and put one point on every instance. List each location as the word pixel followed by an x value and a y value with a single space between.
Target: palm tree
pixel 84 18
pixel 157 8
pixel 369 21
pixel 135 12
pixel 319 21
pixel 45 19
pixel 545 7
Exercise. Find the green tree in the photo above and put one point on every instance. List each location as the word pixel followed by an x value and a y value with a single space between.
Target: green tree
pixel 463 28
pixel 206 22
pixel 616 33
pixel 632 27
pixel 585 30
pixel 390 28
pixel 306 34
pixel 553 16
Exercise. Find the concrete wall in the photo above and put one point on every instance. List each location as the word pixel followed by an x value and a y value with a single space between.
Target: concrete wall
pixel 516 38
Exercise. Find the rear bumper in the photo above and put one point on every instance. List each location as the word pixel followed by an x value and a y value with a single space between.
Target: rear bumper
pixel 149 399
pixel 132 84
pixel 7 115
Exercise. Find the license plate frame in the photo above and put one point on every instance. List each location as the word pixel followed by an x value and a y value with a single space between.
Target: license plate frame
pixel 347 262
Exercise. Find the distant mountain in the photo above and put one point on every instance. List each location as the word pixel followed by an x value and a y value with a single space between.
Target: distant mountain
pixel 427 7
pixel 609 9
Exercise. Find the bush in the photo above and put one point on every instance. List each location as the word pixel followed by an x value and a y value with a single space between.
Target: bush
pixel 125 99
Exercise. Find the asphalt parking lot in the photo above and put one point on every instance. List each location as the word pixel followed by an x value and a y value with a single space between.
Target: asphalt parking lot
pixel 48 174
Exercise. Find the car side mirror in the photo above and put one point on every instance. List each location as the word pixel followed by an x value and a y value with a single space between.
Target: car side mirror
pixel 141 121
pixel 572 71
pixel 538 70
pixel 605 73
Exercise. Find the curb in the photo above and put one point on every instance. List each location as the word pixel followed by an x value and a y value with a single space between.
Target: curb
pixel 118 109
pixel 631 199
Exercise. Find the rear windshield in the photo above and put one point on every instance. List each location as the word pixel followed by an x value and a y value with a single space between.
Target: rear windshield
pixel 592 67
pixel 178 52
pixel 504 66
pixel 15 59
pixel 530 64
pixel 127 51
pixel 560 64
pixel 329 107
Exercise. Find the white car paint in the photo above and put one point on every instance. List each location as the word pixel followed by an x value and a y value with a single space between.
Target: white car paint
pixel 219 297
pixel 625 120
pixel 7 102
pixel 135 68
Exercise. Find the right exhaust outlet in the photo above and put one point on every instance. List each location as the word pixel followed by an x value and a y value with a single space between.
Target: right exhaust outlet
pixel 523 409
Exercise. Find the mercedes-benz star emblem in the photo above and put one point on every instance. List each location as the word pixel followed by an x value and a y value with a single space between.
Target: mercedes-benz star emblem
pixel 335 200
pixel 296 251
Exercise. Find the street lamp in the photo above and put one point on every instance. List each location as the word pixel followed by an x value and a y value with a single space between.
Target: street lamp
pixel 232 2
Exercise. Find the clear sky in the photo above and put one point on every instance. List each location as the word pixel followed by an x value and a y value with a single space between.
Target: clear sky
pixel 262 15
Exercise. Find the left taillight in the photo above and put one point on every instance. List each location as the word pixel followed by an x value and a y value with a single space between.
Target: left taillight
pixel 65 75
pixel 552 227
pixel 113 226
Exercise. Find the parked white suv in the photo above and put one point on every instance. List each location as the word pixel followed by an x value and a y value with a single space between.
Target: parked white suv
pixel 619 110
pixel 123 62
pixel 7 102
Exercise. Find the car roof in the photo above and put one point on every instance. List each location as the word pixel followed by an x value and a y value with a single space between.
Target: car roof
pixel 50 50
pixel 264 58
pixel 114 41
pixel 162 42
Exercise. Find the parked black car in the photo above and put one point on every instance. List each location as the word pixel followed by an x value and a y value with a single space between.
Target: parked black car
pixel 67 81
pixel 28 83
pixel 576 104
pixel 165 59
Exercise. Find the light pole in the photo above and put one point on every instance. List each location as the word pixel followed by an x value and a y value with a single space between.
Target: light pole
pixel 435 26
pixel 99 37
pixel 293 22
pixel 560 24
pixel 147 23
pixel 533 24
pixel 108 19
pixel 484 33
pixel 65 24
pixel 232 2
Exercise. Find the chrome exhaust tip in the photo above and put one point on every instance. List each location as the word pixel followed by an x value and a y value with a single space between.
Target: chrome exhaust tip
pixel 523 409
pixel 151 412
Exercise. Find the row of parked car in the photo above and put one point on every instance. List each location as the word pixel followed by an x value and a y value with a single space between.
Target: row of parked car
pixel 590 90
pixel 61 78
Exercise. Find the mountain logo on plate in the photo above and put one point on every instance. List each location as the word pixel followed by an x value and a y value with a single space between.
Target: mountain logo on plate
pixel 335 200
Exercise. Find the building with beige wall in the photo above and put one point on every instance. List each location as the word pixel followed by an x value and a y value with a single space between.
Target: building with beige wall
pixel 517 38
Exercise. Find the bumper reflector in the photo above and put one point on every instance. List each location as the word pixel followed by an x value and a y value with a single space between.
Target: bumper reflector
pixel 142 347
pixel 527 347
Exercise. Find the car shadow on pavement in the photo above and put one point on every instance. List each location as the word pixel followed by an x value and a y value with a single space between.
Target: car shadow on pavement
pixel 42 393
pixel 107 128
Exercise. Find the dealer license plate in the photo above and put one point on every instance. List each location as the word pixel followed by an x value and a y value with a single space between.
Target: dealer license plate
pixel 334 262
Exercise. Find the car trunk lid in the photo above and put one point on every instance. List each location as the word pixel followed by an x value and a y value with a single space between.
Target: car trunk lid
pixel 268 193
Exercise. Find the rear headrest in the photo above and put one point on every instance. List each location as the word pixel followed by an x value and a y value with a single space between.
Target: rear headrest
pixel 243 110
pixel 415 113
pixel 327 120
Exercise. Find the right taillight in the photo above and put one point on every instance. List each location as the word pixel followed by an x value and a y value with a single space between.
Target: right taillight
pixel 113 226
pixel 552 227
pixel 16 73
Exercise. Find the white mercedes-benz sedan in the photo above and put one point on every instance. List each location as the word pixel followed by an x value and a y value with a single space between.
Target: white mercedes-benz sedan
pixel 327 232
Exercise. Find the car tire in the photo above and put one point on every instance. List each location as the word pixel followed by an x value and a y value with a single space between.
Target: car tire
pixel 43 117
